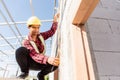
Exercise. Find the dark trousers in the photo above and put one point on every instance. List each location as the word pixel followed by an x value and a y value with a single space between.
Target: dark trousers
pixel 26 63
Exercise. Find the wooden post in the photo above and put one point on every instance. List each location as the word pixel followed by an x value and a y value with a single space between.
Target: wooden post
pixel 85 9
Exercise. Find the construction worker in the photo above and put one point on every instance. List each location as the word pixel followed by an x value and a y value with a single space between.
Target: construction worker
pixel 31 55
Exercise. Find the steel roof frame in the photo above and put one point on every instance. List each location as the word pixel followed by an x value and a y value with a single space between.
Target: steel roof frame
pixel 15 24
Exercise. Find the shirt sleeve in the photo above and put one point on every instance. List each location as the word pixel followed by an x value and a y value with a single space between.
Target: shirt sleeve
pixel 50 32
pixel 40 58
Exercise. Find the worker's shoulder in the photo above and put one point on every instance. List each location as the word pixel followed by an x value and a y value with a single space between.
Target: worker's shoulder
pixel 25 40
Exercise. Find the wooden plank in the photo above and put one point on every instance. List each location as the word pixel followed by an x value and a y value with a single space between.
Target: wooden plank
pixel 88 55
pixel 85 9
pixel 79 63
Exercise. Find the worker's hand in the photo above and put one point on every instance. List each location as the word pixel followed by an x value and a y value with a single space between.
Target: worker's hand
pixel 56 17
pixel 53 61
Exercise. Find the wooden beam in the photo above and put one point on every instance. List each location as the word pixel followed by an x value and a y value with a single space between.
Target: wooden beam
pixel 85 9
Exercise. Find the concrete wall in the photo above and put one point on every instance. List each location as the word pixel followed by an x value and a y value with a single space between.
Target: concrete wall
pixel 103 29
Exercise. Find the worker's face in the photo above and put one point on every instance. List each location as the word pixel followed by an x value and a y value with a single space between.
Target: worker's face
pixel 34 29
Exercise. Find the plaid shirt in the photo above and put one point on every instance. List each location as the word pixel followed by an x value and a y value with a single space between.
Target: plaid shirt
pixel 40 58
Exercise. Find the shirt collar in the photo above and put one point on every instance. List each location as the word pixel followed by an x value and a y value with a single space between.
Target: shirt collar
pixel 30 38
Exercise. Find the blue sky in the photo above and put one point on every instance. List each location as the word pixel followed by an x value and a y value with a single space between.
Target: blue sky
pixel 20 9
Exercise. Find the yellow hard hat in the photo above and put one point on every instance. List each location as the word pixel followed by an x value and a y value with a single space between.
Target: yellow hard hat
pixel 33 21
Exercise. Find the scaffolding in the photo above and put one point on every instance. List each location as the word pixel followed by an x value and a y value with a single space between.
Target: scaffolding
pixel 9 43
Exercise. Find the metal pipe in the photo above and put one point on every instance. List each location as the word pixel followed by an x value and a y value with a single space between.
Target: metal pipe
pixel 9 38
pixel 6 41
pixel 7 52
pixel 11 17
pixel 5 71
pixel 8 44
pixel 1 68
pixel 23 22
pixel 9 24
pixel 3 52
pixel 55 8
pixel 32 9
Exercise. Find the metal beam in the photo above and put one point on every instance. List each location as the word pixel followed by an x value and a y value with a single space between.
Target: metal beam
pixel 3 53
pixel 7 41
pixel 11 17
pixel 8 38
pixel 23 22
pixel 32 9
pixel 8 24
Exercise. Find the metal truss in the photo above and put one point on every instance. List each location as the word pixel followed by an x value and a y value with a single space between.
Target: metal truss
pixel 18 37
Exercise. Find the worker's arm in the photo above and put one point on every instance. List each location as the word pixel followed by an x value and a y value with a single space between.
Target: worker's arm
pixel 50 32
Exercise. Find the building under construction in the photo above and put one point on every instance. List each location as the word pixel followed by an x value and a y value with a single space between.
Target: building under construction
pixel 87 38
